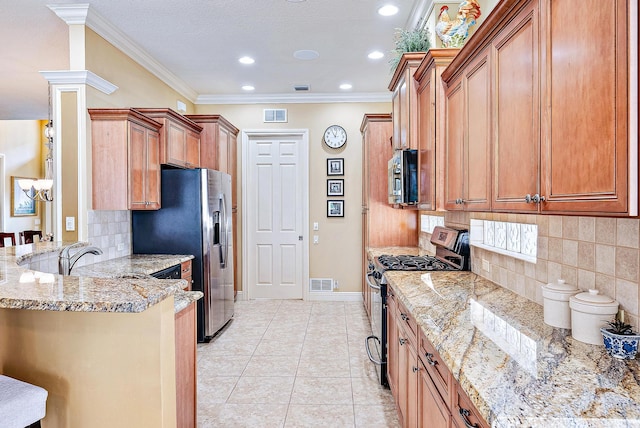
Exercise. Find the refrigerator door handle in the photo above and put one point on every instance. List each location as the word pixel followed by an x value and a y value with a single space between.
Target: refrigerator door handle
pixel 224 239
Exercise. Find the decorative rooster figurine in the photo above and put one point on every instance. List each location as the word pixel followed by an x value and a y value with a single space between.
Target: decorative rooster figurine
pixel 454 33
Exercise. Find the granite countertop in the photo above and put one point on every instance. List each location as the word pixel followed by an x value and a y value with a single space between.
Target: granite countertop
pixel 121 291
pixel 517 370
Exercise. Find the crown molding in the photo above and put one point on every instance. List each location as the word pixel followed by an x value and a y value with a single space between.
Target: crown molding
pixel 84 15
pixel 79 77
pixel 370 97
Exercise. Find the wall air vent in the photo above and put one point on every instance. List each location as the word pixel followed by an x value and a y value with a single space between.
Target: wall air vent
pixel 301 88
pixel 321 284
pixel 275 115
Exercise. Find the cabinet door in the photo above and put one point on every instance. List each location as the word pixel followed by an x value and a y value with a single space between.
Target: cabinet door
pixel 186 372
pixel 395 101
pixel 477 153
pixel 454 146
pixel 463 412
pixel 403 100
pixel 585 130
pixel 152 185
pixel 223 150
pixel 138 166
pixel 192 150
pixel 392 344
pixel 516 112
pixel 176 143
pixel 433 412
pixel 426 141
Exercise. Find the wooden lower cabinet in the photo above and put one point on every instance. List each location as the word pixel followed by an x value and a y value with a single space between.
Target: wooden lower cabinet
pixel 433 411
pixel 186 274
pixel 185 337
pixel 425 393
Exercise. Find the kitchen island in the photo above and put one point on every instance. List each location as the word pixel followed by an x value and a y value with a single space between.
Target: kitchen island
pixel 103 347
pixel 516 370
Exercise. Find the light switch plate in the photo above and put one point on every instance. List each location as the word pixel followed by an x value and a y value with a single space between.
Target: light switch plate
pixel 315 225
pixel 70 224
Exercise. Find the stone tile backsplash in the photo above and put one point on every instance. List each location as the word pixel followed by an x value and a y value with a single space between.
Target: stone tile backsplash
pixel 591 252
pixel 111 232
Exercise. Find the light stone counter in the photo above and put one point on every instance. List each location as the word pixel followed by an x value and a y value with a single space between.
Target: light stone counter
pixel 110 286
pixel 517 370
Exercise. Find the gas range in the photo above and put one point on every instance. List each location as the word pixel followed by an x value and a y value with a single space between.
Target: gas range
pixel 452 253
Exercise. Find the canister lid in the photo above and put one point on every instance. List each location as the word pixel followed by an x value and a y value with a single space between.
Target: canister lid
pixel 593 302
pixel 561 286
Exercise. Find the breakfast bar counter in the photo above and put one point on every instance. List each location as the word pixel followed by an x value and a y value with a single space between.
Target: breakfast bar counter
pixel 103 345
pixel 517 370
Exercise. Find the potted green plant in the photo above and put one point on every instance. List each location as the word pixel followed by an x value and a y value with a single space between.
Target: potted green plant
pixel 620 340
pixel 416 40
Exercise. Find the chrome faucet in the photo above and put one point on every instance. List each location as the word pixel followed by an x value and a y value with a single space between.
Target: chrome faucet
pixel 66 262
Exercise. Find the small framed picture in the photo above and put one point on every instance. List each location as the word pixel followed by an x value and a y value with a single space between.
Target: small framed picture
pixel 335 187
pixel 21 204
pixel 335 208
pixel 335 166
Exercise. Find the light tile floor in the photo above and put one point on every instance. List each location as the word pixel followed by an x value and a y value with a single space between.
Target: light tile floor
pixel 289 363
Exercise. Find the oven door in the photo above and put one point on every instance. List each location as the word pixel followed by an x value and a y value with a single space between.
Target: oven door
pixel 376 344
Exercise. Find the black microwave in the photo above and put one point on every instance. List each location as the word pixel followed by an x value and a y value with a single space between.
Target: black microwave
pixel 403 177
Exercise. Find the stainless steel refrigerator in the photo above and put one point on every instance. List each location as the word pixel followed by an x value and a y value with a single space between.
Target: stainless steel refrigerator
pixel 195 218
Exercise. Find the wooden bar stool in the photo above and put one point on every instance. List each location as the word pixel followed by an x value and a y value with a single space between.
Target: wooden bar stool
pixel 4 235
pixel 27 236
pixel 21 404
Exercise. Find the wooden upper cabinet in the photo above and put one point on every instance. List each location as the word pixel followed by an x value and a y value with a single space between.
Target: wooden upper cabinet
pixel 467 131
pixel 179 138
pixel 125 160
pixel 430 122
pixel 404 102
pixel 585 136
pixel 516 113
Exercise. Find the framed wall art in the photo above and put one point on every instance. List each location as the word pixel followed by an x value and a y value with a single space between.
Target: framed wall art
pixel 21 205
pixel 335 187
pixel 335 166
pixel 335 208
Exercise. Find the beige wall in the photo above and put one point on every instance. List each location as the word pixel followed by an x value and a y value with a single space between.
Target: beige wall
pixel 590 252
pixel 338 254
pixel 21 143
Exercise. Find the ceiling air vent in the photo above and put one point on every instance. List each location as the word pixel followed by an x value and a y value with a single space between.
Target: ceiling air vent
pixel 301 88
pixel 275 115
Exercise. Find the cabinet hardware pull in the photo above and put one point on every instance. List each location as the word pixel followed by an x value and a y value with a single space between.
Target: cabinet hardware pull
pixel 459 201
pixel 464 414
pixel 536 199
pixel 415 369
pixel 404 317
pixel 430 360
pixel 402 341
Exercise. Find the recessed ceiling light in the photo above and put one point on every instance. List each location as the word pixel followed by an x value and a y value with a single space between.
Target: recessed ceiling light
pixel 306 54
pixel 346 86
pixel 388 10
pixel 375 55
pixel 248 88
pixel 247 60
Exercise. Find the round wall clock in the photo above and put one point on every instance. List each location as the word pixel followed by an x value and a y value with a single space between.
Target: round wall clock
pixel 335 136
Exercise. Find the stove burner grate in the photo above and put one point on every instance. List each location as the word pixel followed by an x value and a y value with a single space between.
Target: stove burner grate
pixel 413 263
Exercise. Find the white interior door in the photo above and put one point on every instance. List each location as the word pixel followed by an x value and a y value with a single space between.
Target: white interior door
pixel 276 213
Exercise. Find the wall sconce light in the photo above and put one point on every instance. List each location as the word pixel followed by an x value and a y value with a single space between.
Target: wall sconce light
pixel 40 190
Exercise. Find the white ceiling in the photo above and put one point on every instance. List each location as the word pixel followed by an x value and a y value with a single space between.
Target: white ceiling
pixel 198 43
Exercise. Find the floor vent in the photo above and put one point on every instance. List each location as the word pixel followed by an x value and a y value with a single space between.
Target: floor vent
pixel 321 284
pixel 275 115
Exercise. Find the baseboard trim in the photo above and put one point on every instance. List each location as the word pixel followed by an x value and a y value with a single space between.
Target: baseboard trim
pixel 323 296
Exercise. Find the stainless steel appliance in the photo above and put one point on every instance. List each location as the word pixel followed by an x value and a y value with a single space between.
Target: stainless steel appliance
pixel 195 218
pixel 452 253
pixel 403 177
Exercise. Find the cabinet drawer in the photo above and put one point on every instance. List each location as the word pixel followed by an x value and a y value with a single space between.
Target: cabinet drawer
pixel 185 273
pixel 408 322
pixel 463 412
pixel 438 371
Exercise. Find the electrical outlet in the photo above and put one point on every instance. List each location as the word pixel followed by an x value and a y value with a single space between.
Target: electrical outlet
pixel 335 284
pixel 315 226
pixel 486 266
pixel 316 239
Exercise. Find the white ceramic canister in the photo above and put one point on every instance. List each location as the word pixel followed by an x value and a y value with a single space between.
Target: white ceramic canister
pixel 557 312
pixel 589 312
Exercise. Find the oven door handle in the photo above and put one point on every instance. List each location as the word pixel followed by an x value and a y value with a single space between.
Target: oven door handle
pixel 369 283
pixel 366 345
